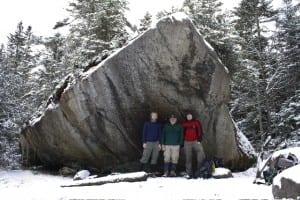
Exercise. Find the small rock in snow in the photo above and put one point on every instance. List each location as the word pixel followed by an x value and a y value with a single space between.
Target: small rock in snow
pixel 67 171
pixel 81 175
pixel 222 173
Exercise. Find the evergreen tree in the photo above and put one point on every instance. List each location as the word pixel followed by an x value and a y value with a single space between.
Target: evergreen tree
pixel 15 57
pixel 285 81
pixel 164 13
pixel 251 16
pixel 16 46
pixel 205 13
pixel 254 63
pixel 98 25
pixel 216 27
pixel 29 41
pixel 287 72
pixel 54 67
pixel 54 46
pixel 145 23
pixel 2 53
pixel 19 60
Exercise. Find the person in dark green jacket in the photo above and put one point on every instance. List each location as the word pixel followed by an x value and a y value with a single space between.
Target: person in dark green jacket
pixel 171 140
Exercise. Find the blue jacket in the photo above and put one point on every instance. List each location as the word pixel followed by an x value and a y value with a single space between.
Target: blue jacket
pixel 151 132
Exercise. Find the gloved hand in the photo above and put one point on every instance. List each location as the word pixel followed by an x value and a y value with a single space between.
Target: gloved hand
pixel 200 138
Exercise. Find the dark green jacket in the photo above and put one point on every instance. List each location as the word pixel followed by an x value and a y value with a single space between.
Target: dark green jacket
pixel 172 135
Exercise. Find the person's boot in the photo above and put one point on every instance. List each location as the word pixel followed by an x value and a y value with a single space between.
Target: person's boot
pixel 166 169
pixel 188 175
pixel 142 167
pixel 166 174
pixel 173 169
pixel 153 170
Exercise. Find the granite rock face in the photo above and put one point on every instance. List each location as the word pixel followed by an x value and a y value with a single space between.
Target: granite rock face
pixel 286 185
pixel 97 120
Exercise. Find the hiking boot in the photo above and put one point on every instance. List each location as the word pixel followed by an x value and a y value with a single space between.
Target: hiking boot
pixel 172 174
pixel 142 167
pixel 152 175
pixel 166 174
pixel 153 169
pixel 167 167
pixel 187 176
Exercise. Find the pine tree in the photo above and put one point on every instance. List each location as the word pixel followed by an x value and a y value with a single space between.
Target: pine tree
pixel 285 81
pixel 19 61
pixel 15 57
pixel 54 46
pixel 164 13
pixel 98 25
pixel 20 92
pixel 251 15
pixel 216 27
pixel 205 13
pixel 288 40
pixel 29 41
pixel 254 63
pixel 53 63
pixel 145 23
pixel 16 46
pixel 2 53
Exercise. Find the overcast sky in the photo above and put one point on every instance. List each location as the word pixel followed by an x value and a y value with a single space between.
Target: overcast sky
pixel 43 14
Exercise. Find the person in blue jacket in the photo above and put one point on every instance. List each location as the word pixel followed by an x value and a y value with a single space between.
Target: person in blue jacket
pixel 151 142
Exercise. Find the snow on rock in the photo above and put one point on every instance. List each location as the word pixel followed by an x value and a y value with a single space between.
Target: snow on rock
pixel 115 178
pixel 81 175
pixel 244 142
pixel 211 48
pixel 285 152
pixel 34 120
pixel 28 185
pixel 287 184
pixel 222 173
pixel 38 69
pixel 179 16
pixel 52 106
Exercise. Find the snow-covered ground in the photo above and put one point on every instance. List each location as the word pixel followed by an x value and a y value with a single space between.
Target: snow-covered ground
pixel 26 184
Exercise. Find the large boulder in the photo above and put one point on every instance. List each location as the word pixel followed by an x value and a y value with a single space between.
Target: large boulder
pixel 96 120
pixel 287 184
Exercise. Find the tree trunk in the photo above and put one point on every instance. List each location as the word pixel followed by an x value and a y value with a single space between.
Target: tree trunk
pixel 130 177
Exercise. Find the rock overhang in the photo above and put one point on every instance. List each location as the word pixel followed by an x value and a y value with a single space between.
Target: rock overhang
pixel 170 68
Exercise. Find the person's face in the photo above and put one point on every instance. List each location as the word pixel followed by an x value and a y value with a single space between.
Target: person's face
pixel 173 120
pixel 189 117
pixel 154 116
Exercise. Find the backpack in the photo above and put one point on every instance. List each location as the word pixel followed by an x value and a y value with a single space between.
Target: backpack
pixel 218 162
pixel 206 170
pixel 283 162
pixel 278 165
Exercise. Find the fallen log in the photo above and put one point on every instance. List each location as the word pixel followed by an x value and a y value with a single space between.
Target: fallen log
pixel 128 177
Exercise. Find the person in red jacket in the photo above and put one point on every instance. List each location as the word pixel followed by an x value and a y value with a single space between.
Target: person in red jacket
pixel 192 142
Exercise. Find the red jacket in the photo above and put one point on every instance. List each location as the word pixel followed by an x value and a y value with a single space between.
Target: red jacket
pixel 192 130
